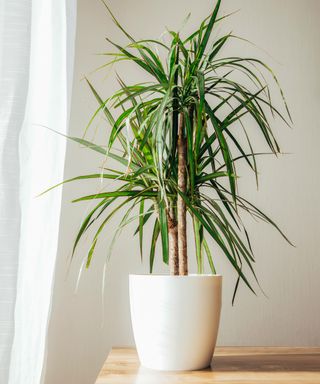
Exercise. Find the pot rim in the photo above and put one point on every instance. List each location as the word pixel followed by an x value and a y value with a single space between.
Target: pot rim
pixel 191 275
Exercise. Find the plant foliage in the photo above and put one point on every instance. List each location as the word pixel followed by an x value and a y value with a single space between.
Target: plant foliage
pixel 189 76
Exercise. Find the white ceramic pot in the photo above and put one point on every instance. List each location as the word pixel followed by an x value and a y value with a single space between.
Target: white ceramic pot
pixel 175 319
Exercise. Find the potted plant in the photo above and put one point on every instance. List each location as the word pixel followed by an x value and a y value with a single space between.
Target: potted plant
pixel 177 140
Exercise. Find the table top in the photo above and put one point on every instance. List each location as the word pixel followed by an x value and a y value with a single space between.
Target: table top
pixel 234 365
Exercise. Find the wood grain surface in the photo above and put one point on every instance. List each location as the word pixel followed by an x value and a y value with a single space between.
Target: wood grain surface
pixel 234 365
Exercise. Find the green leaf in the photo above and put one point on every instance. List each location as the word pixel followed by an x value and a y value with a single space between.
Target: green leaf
pixel 155 235
pixel 188 118
pixel 90 253
pixel 86 222
pixel 200 108
pixel 210 176
pixel 103 195
pixel 84 177
pixel 224 148
pixel 218 45
pixel 164 232
pixel 141 217
pixel 145 218
pixel 209 256
pixel 197 237
pixel 206 36
pixel 217 239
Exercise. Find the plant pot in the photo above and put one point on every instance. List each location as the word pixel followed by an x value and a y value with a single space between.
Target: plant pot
pixel 175 319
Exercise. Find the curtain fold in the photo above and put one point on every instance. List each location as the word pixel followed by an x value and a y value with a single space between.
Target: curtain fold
pixel 36 60
pixel 15 21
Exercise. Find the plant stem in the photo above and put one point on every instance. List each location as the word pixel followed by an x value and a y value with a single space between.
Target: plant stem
pixel 173 242
pixel 182 222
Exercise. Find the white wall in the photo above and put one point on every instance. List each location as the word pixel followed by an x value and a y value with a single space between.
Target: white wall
pixel 81 331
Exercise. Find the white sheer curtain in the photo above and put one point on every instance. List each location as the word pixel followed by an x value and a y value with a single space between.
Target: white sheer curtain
pixel 36 56
pixel 15 17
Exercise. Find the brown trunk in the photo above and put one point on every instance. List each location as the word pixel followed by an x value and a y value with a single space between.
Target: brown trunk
pixel 182 222
pixel 173 243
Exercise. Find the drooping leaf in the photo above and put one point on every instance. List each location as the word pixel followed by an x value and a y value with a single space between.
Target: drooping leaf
pixel 155 235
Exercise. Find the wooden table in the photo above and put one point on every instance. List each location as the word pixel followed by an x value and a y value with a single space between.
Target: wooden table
pixel 230 365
